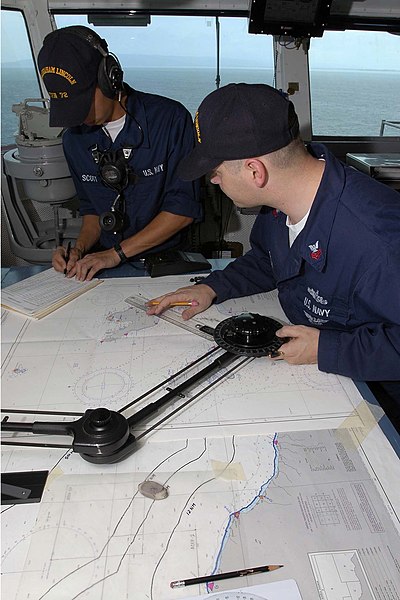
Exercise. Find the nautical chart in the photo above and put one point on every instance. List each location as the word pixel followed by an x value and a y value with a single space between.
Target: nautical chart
pixel 242 491
pixel 302 499
pixel 101 351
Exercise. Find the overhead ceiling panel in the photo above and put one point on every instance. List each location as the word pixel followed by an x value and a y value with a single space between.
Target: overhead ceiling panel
pixel 153 5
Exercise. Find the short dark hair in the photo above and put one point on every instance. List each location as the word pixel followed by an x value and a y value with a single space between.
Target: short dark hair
pixel 284 157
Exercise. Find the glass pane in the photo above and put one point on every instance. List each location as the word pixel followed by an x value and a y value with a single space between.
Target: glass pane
pixel 18 74
pixel 176 56
pixel 355 83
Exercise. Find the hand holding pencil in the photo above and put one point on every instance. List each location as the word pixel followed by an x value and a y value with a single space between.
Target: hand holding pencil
pixel 196 297
pixel 64 259
pixel 67 255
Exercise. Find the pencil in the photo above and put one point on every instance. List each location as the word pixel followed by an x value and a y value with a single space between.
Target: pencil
pixel 220 576
pixel 68 252
pixel 183 303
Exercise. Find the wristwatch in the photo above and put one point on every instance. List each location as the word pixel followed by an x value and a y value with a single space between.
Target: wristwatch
pixel 121 253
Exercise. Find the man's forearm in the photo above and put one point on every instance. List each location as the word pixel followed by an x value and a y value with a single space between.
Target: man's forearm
pixel 89 234
pixel 160 229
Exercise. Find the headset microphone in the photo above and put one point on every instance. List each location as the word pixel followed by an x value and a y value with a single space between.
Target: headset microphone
pixel 115 173
pixel 114 219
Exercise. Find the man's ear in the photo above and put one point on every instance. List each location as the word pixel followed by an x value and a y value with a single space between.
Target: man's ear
pixel 258 171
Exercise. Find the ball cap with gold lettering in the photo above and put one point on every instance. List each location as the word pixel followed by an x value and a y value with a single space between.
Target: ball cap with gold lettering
pixel 69 65
pixel 237 121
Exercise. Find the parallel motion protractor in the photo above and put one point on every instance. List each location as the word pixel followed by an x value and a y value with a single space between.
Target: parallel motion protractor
pixel 248 334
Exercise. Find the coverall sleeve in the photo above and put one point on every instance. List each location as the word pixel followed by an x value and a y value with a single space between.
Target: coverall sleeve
pixel 370 352
pixel 181 197
pixel 247 275
pixel 85 205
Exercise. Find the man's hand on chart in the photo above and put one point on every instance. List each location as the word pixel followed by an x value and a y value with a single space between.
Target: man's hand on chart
pixel 86 268
pixel 302 348
pixel 202 294
pixel 59 257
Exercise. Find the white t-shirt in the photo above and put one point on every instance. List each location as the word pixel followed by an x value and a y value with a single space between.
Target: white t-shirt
pixel 295 229
pixel 114 127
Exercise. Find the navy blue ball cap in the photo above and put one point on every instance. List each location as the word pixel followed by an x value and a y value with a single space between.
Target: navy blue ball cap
pixel 68 65
pixel 238 121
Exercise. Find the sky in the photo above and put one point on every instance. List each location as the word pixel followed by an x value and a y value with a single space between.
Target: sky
pixel 173 36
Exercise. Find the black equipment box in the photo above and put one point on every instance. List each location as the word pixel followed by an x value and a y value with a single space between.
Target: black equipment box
pixel 23 487
pixel 175 262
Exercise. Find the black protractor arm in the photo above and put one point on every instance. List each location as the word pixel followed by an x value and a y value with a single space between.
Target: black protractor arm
pixel 222 361
pixel 103 436
pixel 129 446
pixel 99 431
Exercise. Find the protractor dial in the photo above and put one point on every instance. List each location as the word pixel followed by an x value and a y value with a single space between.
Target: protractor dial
pixel 248 334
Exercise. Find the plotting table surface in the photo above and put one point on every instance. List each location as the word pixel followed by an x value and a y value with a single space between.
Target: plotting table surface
pixel 275 464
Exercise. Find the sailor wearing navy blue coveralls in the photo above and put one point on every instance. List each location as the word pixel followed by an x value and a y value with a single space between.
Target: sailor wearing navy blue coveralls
pixel 142 137
pixel 327 236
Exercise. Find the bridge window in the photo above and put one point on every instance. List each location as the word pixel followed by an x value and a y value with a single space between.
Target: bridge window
pixel 355 84
pixel 177 56
pixel 18 75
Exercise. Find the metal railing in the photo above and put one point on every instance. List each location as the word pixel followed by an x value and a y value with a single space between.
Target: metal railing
pixel 388 123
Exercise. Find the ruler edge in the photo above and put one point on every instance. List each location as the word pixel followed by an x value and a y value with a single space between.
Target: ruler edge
pixel 190 327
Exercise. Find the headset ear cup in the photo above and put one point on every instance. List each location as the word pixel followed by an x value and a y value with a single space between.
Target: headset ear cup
pixel 110 76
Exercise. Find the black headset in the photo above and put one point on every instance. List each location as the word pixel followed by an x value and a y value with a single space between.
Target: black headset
pixel 114 169
pixel 116 174
pixel 110 76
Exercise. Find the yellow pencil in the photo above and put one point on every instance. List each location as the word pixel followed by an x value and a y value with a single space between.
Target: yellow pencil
pixel 183 303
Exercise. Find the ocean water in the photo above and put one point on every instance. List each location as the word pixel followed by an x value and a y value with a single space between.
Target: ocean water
pixel 343 102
